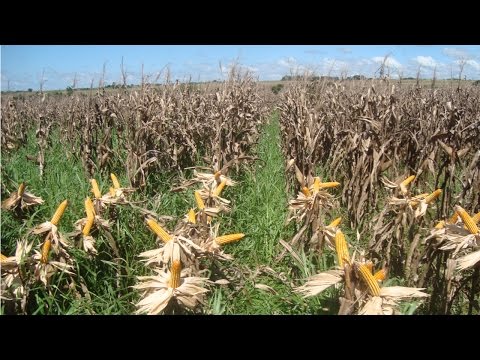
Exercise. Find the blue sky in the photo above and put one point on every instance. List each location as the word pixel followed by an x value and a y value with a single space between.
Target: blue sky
pixel 22 65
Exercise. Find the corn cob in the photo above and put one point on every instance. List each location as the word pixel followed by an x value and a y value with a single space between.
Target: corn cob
pixel 88 226
pixel 175 271
pixel 112 191
pixel 191 216
pixel 415 200
pixel 226 239
pixel 157 229
pixel 335 222
pixel 369 280
pixel 59 212
pixel 380 275
pixel 316 184
pixel 217 176
pixel 199 200
pixel 440 225
pixel 369 265
pixel 453 219
pixel 329 184
pixel 2 257
pixel 21 189
pixel 89 208
pixel 420 196
pixel 433 196
pixel 306 192
pixel 95 189
pixel 219 188
pixel 413 203
pixel 408 180
pixel 115 182
pixel 46 250
pixel 342 248
pixel 476 218
pixel 467 220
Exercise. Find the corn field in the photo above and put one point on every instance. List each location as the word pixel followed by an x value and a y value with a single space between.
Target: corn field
pixel 405 159
pixel 135 201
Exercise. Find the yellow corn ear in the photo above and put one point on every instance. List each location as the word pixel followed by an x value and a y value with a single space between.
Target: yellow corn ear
pixel 226 239
pixel 219 188
pixel 415 200
pixel 217 176
pixel 330 184
pixel 369 265
pixel 433 196
pixel 413 203
pixel 45 250
pixel 421 196
pixel 467 220
pixel 408 180
pixel 335 222
pixel 88 226
pixel 89 208
pixel 316 184
pixel 440 225
pixel 59 212
pixel 199 200
pixel 21 189
pixel 116 184
pixel 369 280
pixel 453 219
pixel 306 192
pixel 157 229
pixel 191 216
pixel 2 257
pixel 476 218
pixel 112 191
pixel 95 189
pixel 175 271
pixel 380 275
pixel 342 248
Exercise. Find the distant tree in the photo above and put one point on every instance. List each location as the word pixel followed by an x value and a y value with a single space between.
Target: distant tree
pixel 357 77
pixel 30 89
pixel 69 90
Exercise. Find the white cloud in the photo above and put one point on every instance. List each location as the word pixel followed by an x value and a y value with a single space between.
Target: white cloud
pixel 426 61
pixel 455 53
pixel 334 67
pixel 473 64
pixel 391 62
pixel 364 62
pixel 287 62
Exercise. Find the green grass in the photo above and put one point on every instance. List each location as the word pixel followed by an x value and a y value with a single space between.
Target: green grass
pixel 259 211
